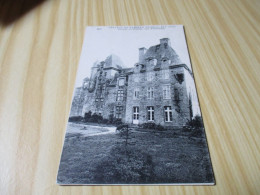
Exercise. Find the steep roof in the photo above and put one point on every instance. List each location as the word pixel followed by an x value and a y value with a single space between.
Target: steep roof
pixel 113 61
pixel 95 64
pixel 161 51
pixel 127 70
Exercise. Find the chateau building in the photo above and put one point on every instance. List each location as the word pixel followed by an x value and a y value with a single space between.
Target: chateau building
pixel 159 88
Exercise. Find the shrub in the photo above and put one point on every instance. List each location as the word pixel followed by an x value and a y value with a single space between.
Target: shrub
pixel 75 118
pixel 117 121
pixel 105 121
pixel 111 118
pixel 96 118
pixel 194 126
pixel 152 126
pixel 195 122
pixel 87 116
pixel 160 128
pixel 122 126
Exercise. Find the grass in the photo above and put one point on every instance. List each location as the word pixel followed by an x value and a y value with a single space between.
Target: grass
pixel 153 157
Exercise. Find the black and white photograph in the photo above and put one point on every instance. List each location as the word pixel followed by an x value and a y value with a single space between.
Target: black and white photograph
pixel 135 117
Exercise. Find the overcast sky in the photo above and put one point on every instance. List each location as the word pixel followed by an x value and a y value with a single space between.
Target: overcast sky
pixel 124 41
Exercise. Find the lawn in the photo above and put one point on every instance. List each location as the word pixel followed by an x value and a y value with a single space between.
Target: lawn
pixel 150 157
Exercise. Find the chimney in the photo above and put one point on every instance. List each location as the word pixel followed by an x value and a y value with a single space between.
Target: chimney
pixel 165 40
pixel 141 53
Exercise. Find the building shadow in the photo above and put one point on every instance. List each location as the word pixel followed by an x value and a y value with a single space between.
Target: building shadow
pixel 12 10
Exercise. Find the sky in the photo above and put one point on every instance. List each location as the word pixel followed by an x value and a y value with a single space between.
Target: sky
pixel 124 41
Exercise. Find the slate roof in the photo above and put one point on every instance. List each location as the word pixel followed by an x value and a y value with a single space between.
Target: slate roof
pixel 161 51
pixel 113 61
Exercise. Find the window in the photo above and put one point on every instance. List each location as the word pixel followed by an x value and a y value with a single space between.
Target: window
pixel 166 61
pixel 149 76
pixel 111 114
pixel 121 82
pixel 150 113
pixel 119 110
pixel 136 113
pixel 150 93
pixel 152 62
pixel 136 93
pixel 85 85
pixel 120 95
pixel 165 74
pixel 168 113
pixel 166 92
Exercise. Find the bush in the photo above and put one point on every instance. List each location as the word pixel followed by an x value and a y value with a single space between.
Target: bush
pixel 111 118
pixel 195 122
pixel 152 126
pixel 122 126
pixel 105 121
pixel 95 118
pixel 87 116
pixel 75 118
pixel 195 127
pixel 117 121
pixel 160 128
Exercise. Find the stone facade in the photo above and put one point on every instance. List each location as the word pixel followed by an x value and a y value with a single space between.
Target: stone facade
pixel 159 88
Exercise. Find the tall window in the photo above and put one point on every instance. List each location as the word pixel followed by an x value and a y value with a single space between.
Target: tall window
pixel 166 92
pixel 120 95
pixel 165 74
pixel 150 92
pixel 150 113
pixel 168 113
pixel 149 76
pixel 136 113
pixel 119 110
pixel 136 93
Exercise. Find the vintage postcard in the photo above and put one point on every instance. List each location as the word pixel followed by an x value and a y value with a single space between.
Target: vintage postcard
pixel 135 116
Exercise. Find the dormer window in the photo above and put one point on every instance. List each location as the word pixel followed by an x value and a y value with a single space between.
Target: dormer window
pixel 85 85
pixel 137 68
pixel 166 61
pixel 121 82
pixel 152 61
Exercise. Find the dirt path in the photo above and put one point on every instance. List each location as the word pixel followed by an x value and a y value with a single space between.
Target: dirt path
pixel 89 130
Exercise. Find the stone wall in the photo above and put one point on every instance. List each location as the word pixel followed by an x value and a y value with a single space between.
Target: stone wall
pixel 159 66
pixel 178 101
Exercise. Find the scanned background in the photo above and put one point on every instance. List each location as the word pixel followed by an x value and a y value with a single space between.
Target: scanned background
pixel 40 45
